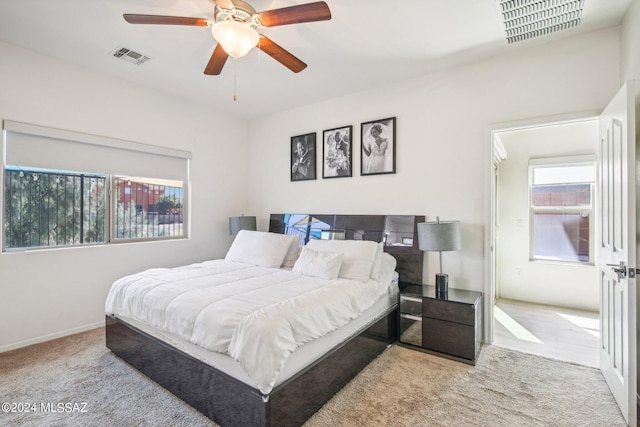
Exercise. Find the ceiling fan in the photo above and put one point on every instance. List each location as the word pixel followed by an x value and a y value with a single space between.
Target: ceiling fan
pixel 235 26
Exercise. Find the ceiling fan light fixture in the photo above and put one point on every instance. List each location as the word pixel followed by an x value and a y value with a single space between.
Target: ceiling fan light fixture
pixel 236 38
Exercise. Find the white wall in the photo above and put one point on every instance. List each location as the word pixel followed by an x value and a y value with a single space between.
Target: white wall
pixel 518 277
pixel 630 43
pixel 442 122
pixel 49 293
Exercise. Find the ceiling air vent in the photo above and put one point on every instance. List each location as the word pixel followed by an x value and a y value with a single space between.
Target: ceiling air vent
pixel 526 19
pixel 130 56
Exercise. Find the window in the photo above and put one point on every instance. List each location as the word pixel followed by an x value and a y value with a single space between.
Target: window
pixel 46 203
pixel 146 208
pixel 562 209
pixel 53 208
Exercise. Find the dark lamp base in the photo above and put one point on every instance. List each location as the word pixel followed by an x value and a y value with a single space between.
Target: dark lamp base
pixel 442 283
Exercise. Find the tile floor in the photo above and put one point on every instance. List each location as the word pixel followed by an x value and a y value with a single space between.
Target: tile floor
pixel 559 333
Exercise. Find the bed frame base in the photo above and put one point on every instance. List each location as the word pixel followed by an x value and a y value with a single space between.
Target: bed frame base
pixel 230 402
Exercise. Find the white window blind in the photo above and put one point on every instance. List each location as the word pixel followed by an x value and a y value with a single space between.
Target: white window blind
pixel 42 147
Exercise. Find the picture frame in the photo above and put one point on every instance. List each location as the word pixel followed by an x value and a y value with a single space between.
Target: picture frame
pixel 303 157
pixel 378 147
pixel 337 152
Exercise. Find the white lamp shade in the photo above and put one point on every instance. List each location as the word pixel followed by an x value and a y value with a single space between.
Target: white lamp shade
pixel 439 236
pixel 237 223
pixel 236 38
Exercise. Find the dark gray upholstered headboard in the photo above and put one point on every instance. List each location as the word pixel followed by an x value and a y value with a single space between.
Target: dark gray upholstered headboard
pixel 398 232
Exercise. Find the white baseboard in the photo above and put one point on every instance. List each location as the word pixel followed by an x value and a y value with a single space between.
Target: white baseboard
pixel 50 337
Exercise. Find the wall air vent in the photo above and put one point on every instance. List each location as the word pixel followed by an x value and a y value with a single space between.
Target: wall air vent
pixel 527 19
pixel 130 56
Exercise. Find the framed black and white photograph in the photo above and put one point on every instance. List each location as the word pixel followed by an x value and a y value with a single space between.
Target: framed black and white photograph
pixel 378 147
pixel 336 152
pixel 303 157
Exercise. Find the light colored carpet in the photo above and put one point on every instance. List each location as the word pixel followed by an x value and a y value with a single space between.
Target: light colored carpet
pixel 402 387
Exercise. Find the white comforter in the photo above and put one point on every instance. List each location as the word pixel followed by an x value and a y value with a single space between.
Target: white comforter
pixel 257 315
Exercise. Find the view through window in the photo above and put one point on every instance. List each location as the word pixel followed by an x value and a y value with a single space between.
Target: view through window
pixel 147 208
pixel 562 211
pixel 49 208
pixel 53 208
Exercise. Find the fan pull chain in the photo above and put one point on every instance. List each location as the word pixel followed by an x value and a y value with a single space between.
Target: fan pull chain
pixel 235 75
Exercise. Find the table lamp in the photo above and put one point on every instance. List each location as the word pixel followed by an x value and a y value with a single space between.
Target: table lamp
pixel 237 223
pixel 439 236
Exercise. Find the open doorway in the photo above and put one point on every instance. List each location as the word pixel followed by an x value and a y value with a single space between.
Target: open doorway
pixel 544 277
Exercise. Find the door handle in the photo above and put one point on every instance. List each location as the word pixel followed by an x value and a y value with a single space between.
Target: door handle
pixel 620 270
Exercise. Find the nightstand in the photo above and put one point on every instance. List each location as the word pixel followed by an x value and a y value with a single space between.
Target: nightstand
pixel 449 326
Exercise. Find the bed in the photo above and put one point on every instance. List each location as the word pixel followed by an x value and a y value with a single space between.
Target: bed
pixel 159 320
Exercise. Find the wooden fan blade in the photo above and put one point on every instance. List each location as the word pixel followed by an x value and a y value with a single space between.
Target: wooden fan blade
pixel 216 62
pixel 318 11
pixel 165 20
pixel 281 55
pixel 224 4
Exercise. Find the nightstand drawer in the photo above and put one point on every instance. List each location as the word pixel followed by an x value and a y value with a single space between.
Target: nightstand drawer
pixel 411 305
pixel 451 338
pixel 449 311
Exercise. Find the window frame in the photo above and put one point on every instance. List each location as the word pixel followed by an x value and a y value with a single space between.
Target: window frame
pixel 579 210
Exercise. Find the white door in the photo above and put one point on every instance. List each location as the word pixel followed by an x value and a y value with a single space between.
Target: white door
pixel 616 237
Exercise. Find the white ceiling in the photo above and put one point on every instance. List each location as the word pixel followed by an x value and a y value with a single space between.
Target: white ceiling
pixel 366 43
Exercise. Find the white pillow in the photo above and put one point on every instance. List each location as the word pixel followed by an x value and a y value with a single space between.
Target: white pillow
pixel 325 265
pixel 358 256
pixel 259 248
pixel 387 267
pixel 375 270
pixel 293 252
